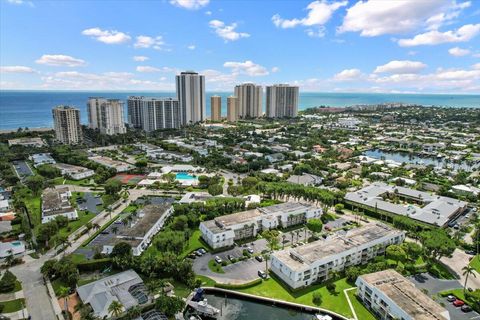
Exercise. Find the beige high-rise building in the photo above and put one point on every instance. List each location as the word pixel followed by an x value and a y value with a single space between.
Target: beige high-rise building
pixel 282 101
pixel 106 115
pixel 232 105
pixel 66 122
pixel 249 98
pixel 216 108
pixel 191 97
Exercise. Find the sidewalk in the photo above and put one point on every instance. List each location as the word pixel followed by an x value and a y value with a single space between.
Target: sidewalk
pixel 17 315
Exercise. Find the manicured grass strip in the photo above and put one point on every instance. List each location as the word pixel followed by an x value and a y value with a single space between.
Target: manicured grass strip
pixel 13 305
pixel 206 281
pixel 239 286
pixel 362 312
pixel 83 218
pixel 194 243
pixel 335 301
pixel 215 267
pixel 475 263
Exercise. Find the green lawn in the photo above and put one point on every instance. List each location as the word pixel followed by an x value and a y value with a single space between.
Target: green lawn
pixel 206 281
pixel 475 263
pixel 33 205
pixel 336 301
pixel 77 257
pixel 83 218
pixel 13 305
pixel 194 243
pixel 362 312
pixel 215 267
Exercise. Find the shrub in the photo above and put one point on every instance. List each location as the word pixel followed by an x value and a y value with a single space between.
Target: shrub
pixel 331 286
pixel 239 286
pixel 317 298
pixel 94 265
pixel 7 283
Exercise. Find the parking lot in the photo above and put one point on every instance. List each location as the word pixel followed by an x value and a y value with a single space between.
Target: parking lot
pixel 22 169
pixel 456 313
pixel 90 203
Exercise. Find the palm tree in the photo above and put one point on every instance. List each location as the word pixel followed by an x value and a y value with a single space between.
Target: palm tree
pixel 63 293
pixel 467 270
pixel 114 229
pixel 283 240
pixel 134 312
pixel 115 308
pixel 10 258
pixel 266 256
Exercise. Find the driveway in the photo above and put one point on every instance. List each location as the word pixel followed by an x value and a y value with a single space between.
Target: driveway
pixel 434 285
pixel 456 262
pixel 90 203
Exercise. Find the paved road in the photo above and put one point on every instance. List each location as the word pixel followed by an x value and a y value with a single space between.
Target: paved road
pixel 456 262
pixel 434 285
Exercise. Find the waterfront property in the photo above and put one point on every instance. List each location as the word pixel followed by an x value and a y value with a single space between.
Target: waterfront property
pixel 223 231
pixel 313 263
pixel 74 172
pixel 418 205
pixel 55 202
pixel 27 142
pixel 126 287
pixel 140 230
pixel 391 296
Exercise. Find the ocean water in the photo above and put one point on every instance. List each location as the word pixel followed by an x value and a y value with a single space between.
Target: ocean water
pixel 32 109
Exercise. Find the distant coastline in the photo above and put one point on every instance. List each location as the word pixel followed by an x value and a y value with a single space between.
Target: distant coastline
pixel 32 109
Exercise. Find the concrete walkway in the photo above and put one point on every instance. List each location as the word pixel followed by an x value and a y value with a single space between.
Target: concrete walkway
pixel 17 315
pixel 12 296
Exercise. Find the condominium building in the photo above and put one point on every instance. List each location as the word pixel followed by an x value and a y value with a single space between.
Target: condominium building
pixel 314 262
pixel 66 122
pixel 249 98
pixel 191 96
pixel 422 206
pixel 232 106
pixel 216 108
pixel 282 101
pixel 151 114
pixel 223 231
pixel 106 115
pixel 392 296
pixel 55 203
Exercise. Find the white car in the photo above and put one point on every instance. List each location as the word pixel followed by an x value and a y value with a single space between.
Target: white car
pixel 323 317
pixel 218 260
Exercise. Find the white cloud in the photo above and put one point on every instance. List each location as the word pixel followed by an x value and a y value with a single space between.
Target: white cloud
pixel 147 42
pixel 319 13
pixel 476 66
pixel 401 67
pixel 374 18
pixel 227 32
pixel 16 69
pixel 458 52
pixel 107 36
pixel 248 67
pixel 60 60
pixel 21 2
pixel 208 13
pixel 147 69
pixel 463 34
pixel 348 75
pixel 275 69
pixel 140 58
pixel 190 4
pixel 191 47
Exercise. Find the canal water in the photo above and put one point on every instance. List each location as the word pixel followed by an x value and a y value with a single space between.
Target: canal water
pixel 402 157
pixel 240 309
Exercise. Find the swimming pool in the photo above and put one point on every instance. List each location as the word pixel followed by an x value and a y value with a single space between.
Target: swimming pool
pixel 16 243
pixel 184 176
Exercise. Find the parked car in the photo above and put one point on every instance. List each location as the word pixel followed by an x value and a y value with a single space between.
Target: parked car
pixel 198 253
pixel 192 255
pixel 458 303
pixel 202 251
pixel 451 298
pixel 250 250
pixel 259 258
pixel 470 252
pixel 218 260
pixel 466 308
pixel 104 232
pixel 230 257
pixel 262 274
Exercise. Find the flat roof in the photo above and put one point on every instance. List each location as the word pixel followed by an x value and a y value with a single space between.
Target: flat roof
pixel 303 256
pixel 405 295
pixel 147 217
pixel 436 209
pixel 52 202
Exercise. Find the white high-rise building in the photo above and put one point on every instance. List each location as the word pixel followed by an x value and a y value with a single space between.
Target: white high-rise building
pixel 282 101
pixel 106 115
pixel 66 122
pixel 249 98
pixel 191 97
pixel 151 114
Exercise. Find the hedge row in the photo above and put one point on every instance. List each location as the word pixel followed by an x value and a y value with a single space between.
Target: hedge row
pixel 239 286
pixel 93 265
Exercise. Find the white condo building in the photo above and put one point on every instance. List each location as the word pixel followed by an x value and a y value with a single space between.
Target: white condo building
pixel 106 115
pixel 191 97
pixel 392 296
pixel 312 263
pixel 223 231
pixel 249 100
pixel 282 101
pixel 66 122
pixel 150 114
pixel 56 202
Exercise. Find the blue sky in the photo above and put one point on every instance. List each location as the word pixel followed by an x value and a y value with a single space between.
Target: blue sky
pixel 352 46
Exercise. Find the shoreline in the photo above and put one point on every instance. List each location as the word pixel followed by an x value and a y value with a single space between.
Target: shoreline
pixel 40 129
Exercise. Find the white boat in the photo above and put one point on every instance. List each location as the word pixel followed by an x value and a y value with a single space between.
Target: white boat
pixel 204 309
pixel 323 317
